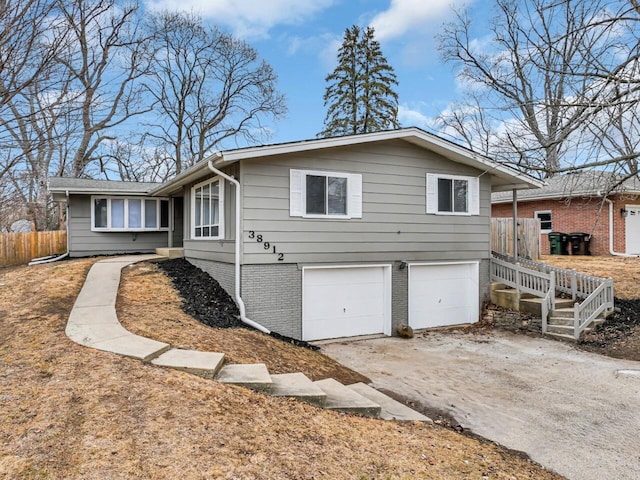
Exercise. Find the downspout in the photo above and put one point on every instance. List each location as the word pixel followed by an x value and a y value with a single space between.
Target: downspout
pixel 38 261
pixel 241 307
pixel 611 251
pixel 514 212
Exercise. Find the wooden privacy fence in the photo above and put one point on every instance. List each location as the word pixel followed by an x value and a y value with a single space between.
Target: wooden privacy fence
pixel 20 248
pixel 528 237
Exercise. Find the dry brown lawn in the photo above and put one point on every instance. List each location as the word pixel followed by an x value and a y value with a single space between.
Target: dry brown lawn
pixel 71 412
pixel 624 271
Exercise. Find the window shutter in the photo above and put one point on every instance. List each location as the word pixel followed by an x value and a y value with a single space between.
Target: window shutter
pixel 355 195
pixel 432 193
pixel 474 196
pixel 296 207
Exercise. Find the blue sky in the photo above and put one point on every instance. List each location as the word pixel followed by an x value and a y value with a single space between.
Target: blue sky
pixel 300 38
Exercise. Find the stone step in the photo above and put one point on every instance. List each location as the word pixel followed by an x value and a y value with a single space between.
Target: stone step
pixel 390 408
pixel 344 399
pixel 254 376
pixel 204 364
pixel 299 386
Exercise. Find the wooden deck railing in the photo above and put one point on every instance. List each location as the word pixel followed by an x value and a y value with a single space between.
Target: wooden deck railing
pixel 544 281
pixel 21 248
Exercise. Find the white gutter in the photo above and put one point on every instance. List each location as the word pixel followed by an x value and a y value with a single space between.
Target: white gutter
pixel 611 251
pixel 38 261
pixel 241 307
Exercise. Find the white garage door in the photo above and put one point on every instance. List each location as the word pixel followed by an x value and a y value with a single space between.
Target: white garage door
pixel 345 302
pixel 443 294
pixel 632 229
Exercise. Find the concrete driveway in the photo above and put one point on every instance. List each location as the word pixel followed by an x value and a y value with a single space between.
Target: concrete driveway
pixel 574 412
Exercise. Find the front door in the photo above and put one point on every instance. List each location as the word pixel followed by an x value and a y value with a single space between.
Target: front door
pixel 178 222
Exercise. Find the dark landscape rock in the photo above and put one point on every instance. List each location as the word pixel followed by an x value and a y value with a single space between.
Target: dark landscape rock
pixel 203 297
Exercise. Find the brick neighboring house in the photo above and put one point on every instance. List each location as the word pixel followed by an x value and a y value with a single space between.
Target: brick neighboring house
pixel 586 202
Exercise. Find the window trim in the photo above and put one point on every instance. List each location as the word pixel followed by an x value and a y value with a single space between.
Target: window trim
pixel 126 199
pixel 353 194
pixel 544 230
pixel 326 175
pixel 192 209
pixel 473 189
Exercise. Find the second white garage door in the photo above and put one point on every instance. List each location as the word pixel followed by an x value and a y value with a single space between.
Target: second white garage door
pixel 443 294
pixel 346 301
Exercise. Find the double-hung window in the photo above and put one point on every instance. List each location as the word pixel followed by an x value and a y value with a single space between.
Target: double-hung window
pixel 207 210
pixel 452 195
pixel 318 194
pixel 124 214
pixel 545 220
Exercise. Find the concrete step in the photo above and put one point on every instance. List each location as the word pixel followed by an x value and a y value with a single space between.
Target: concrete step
pixel 254 376
pixel 534 305
pixel 561 337
pixel 170 252
pixel 299 386
pixel 555 320
pixel 561 312
pixel 505 297
pixel 344 399
pixel 560 329
pixel 204 364
pixel 390 408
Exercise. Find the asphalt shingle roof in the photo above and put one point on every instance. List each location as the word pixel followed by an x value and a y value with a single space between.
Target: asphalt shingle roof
pixel 587 183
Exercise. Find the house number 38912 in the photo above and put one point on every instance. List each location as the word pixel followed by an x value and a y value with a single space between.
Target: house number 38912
pixel 266 245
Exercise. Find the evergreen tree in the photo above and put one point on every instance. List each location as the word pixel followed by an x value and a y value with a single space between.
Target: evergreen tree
pixel 360 95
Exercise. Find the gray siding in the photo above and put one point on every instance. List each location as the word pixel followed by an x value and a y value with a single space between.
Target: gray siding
pixel 213 250
pixel 83 242
pixel 394 225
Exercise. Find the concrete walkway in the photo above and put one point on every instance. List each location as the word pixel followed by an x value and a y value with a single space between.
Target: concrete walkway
pixel 94 323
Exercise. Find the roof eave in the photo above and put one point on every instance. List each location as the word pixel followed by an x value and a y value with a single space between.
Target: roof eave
pixel 97 191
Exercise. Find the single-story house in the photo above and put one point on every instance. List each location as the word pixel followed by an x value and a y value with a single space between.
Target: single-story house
pixel 330 237
pixel 597 203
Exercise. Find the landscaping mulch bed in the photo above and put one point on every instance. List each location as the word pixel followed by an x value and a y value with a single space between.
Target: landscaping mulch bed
pixel 203 297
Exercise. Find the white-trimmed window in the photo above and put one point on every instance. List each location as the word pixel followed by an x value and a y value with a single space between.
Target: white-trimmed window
pixel 129 214
pixel 545 220
pixel 207 209
pixel 453 194
pixel 318 194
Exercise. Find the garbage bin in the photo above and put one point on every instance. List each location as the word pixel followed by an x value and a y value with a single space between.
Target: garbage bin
pixel 557 243
pixel 580 243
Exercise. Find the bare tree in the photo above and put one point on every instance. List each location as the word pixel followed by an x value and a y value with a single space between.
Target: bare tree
pixel 550 73
pixel 207 87
pixel 105 57
pixel 59 114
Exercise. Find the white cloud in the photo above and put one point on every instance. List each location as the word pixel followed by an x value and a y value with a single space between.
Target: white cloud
pixel 413 118
pixel 404 16
pixel 247 18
